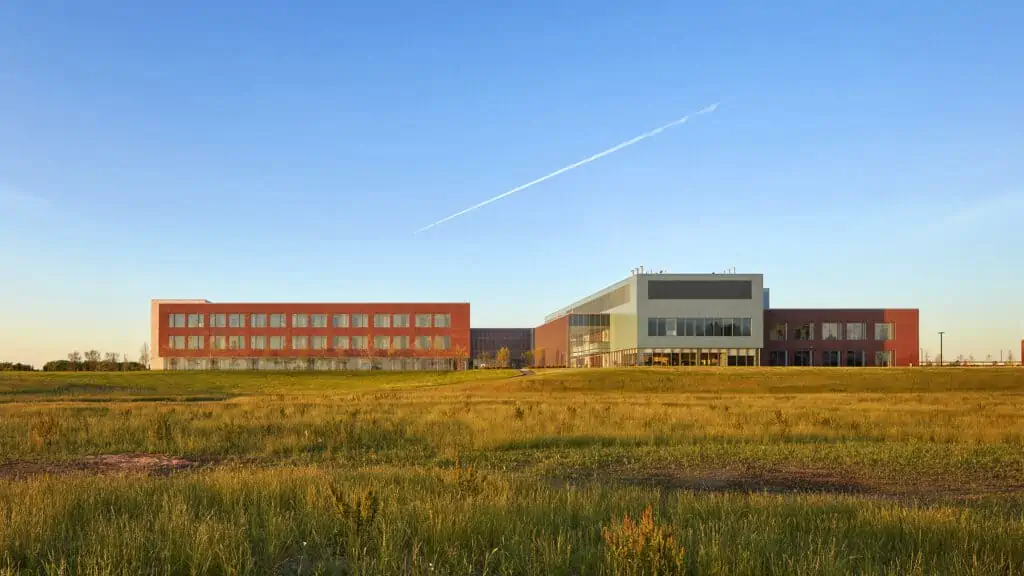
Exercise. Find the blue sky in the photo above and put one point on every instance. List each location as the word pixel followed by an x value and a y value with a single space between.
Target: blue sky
pixel 865 155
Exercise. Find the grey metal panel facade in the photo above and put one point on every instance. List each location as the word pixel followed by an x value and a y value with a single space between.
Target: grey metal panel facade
pixel 751 307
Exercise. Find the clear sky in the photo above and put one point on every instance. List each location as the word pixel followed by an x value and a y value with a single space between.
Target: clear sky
pixel 866 154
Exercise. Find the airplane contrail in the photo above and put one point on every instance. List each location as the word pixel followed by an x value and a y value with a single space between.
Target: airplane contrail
pixel 587 160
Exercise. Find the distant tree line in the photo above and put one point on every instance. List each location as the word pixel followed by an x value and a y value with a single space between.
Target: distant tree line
pixel 15 367
pixel 93 361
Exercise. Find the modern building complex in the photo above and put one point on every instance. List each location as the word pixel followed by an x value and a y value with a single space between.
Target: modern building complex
pixel 203 335
pixel 660 319
pixel 647 319
pixel 717 320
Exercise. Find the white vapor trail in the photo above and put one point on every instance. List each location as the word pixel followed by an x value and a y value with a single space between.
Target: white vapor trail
pixel 587 160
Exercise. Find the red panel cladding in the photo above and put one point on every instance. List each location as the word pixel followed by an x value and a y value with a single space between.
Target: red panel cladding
pixel 551 341
pixel 458 332
pixel 904 347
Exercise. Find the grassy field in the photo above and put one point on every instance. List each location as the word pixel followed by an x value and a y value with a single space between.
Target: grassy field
pixel 741 471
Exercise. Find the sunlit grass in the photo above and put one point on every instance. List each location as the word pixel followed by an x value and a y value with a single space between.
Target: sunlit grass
pixel 848 471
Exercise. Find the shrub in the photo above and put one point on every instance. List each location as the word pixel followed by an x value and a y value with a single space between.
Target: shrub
pixel 359 513
pixel 644 547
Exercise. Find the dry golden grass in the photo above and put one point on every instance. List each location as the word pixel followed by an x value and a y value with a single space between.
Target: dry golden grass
pixel 823 471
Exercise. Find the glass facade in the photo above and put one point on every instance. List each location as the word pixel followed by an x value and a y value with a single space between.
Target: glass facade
pixel 699 327
pixel 589 338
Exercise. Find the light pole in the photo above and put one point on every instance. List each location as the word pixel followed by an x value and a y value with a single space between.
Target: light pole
pixel 940 348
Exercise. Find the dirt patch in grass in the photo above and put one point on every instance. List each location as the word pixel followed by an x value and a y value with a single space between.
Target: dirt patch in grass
pixel 149 464
pixel 784 480
pixel 729 480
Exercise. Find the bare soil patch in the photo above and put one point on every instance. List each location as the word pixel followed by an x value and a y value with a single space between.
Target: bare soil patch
pixel 803 481
pixel 148 464
pixel 733 480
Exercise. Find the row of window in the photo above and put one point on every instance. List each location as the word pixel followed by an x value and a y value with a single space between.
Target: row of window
pixel 828 358
pixel 309 363
pixel 309 342
pixel 698 326
pixel 833 331
pixel 259 320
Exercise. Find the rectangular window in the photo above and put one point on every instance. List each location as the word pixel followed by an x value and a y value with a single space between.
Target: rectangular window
pixel 854 357
pixel 442 320
pixel 300 342
pixel 277 320
pixel 236 342
pixel 400 320
pixel 341 342
pixel 218 320
pixel 657 327
pixel 360 343
pixel 423 320
pixel 360 321
pixel 441 342
pixel 340 321
pixel 219 342
pixel 195 320
pixel 195 342
pixel 176 320
pixel 258 342
pixel 699 290
pixel 803 332
pixel 689 326
pixel 236 320
pixel 258 321
pixel 176 343
pixel 277 342
pixel 300 320
pixel 745 327
pixel 830 331
pixel 778 358
pixel 729 327
pixel 423 342
pixel 381 320
pixel 802 358
pixel 830 358
pixel 778 333
pixel 857 331
pixel 400 342
pixel 318 320
pixel 318 342
pixel 700 326
pixel 884 331
pixel 883 358
pixel 381 342
pixel 670 326
pixel 719 329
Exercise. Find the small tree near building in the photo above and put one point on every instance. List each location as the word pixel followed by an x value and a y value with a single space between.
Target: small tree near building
pixel 485 360
pixel 461 354
pixel 503 357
